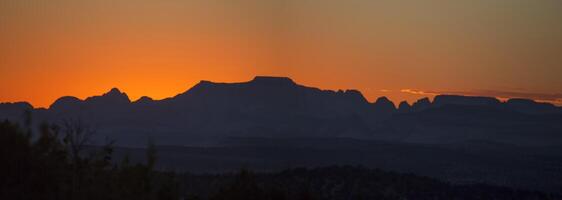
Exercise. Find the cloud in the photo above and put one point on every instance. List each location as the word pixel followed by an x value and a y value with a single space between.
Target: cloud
pixel 554 98
pixel 418 92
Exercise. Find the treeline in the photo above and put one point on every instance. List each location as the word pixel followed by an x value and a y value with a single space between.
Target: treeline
pixel 341 183
pixel 57 165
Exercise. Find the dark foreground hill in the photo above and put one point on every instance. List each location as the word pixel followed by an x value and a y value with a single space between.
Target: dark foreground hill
pixel 335 183
pixel 534 168
pixel 58 166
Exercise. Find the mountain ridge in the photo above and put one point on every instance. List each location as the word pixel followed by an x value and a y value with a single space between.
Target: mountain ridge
pixel 271 122
pixel 442 99
pixel 279 107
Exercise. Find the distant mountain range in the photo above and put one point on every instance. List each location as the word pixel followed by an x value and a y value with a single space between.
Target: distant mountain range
pixel 273 107
pixel 272 123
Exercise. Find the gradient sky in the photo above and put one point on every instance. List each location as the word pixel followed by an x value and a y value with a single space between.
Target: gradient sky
pixel 401 49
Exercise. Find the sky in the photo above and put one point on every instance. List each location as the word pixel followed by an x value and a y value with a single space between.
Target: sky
pixel 404 50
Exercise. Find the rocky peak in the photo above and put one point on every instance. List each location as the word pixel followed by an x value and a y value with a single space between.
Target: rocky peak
pixel 383 104
pixel 404 107
pixel 111 97
pixel 421 104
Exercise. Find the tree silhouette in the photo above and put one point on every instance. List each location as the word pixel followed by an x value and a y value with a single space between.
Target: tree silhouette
pixel 57 166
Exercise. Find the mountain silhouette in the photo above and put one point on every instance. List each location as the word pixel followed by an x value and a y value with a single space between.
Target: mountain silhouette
pixel 421 104
pixel 404 107
pixel 441 100
pixel 112 98
pixel 530 106
pixel 274 122
pixel 384 105
pixel 14 111
pixel 279 107
pixel 144 100
pixel 66 103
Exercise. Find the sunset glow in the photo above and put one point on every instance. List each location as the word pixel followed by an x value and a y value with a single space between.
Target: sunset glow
pixel 82 48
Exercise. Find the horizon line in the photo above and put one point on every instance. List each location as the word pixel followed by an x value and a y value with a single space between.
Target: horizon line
pixel 557 101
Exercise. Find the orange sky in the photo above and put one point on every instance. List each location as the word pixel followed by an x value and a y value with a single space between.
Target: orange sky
pixel 161 48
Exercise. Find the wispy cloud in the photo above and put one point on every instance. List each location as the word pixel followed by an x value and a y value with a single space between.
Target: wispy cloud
pixel 554 98
pixel 418 92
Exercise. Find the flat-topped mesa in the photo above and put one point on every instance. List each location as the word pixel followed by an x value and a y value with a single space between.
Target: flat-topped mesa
pixel 526 102
pixel 465 100
pixel 531 106
pixel 273 81
pixel 14 111
pixel 19 104
pixel 15 106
